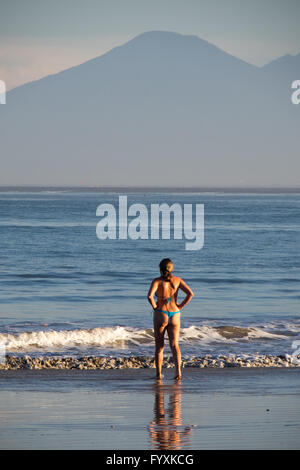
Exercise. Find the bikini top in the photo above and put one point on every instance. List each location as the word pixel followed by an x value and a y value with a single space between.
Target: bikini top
pixel 167 299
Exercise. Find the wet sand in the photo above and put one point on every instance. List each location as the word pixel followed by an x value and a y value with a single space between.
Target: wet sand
pixel 230 408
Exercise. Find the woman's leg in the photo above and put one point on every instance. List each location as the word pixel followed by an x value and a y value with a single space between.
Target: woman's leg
pixel 173 333
pixel 160 324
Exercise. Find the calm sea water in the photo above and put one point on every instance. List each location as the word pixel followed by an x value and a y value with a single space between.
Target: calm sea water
pixel 63 291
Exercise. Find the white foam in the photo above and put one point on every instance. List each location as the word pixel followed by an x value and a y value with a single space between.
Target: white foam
pixel 205 334
pixel 121 337
pixel 263 334
pixel 41 340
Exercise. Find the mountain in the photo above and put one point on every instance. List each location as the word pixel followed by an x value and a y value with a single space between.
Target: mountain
pixel 163 109
pixel 285 66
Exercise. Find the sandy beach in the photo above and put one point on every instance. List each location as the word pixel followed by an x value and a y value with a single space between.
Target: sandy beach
pixel 150 227
pixel 232 408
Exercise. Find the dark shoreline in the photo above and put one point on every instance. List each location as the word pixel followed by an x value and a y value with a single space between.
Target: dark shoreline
pixel 144 362
pixel 141 189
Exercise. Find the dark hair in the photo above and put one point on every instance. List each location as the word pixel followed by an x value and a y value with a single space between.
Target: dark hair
pixel 165 273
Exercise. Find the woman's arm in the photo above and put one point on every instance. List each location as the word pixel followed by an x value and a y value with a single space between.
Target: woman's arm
pixel 189 294
pixel 152 290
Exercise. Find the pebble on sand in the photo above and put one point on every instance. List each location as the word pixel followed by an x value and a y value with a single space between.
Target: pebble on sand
pixel 95 362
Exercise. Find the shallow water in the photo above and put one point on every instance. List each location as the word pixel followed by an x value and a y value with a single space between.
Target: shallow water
pixel 78 295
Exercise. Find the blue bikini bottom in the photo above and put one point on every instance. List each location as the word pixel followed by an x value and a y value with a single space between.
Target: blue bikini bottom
pixel 170 314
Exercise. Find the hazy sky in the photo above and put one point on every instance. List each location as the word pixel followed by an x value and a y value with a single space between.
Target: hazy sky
pixel 39 37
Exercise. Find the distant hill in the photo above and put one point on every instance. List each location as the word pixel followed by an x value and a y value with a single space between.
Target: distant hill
pixel 162 109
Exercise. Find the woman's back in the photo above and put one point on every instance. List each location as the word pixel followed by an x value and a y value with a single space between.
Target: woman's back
pixel 166 313
pixel 167 293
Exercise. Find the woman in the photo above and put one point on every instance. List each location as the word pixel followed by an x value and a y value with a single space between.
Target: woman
pixel 167 313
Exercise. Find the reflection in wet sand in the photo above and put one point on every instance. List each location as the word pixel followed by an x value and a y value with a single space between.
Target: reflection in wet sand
pixel 166 430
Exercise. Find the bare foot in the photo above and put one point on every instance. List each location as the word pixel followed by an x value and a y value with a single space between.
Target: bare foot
pixel 159 376
pixel 177 377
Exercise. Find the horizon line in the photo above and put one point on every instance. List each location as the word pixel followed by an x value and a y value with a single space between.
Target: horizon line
pixel 122 188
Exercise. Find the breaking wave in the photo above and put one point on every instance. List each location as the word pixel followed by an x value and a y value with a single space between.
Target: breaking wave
pixel 122 338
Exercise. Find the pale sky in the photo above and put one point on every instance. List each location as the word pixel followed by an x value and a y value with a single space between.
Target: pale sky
pixel 39 37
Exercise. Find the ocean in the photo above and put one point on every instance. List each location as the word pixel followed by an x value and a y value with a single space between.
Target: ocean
pixel 65 292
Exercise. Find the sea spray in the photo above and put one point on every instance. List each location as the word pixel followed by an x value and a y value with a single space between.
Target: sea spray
pixel 126 341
